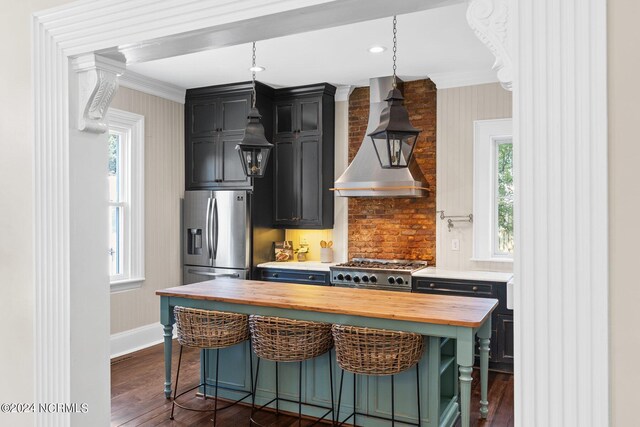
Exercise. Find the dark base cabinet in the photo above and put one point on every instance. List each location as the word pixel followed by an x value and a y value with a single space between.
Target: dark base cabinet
pixel 501 347
pixel 303 277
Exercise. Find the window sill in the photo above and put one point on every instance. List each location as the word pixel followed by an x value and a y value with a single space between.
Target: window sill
pixel 126 284
pixel 506 260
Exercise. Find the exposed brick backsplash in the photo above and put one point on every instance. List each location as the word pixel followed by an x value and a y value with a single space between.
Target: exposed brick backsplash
pixel 397 228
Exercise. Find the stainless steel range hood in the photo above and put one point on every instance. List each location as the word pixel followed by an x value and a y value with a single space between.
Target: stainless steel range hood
pixel 364 177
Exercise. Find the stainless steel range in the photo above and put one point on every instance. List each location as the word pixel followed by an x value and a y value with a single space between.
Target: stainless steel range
pixel 394 275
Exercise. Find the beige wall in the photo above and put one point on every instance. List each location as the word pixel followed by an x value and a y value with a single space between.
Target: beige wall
pixel 164 187
pixel 624 205
pixel 16 205
pixel 457 109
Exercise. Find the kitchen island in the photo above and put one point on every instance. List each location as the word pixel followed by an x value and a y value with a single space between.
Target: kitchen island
pixel 450 323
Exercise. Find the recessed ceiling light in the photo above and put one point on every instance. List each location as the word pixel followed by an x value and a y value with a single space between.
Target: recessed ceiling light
pixel 257 69
pixel 377 49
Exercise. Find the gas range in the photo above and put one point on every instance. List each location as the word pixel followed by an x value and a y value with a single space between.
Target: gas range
pixel 393 275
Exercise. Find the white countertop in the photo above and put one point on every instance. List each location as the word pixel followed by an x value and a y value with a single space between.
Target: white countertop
pixel 296 265
pixel 487 276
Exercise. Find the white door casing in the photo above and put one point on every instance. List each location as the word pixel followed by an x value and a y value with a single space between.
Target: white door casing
pixel 559 84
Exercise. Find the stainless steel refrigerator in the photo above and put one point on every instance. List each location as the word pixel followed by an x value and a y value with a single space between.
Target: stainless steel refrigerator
pixel 218 235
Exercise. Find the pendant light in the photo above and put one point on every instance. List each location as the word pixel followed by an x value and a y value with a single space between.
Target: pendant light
pixel 254 149
pixel 395 138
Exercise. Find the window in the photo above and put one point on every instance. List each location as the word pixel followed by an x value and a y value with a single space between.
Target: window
pixel 126 200
pixel 493 190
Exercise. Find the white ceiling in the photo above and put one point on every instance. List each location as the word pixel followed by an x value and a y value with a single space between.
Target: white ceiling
pixel 435 43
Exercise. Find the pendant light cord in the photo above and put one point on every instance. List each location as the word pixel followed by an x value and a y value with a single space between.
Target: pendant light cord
pixel 253 76
pixel 395 48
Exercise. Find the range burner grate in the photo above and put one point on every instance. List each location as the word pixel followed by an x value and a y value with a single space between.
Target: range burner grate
pixel 384 264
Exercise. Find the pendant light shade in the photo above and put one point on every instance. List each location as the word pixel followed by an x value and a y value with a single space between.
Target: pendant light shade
pixel 254 149
pixel 395 137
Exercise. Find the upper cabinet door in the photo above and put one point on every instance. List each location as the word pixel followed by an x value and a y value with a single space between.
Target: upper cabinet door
pixel 285 200
pixel 310 193
pixel 285 118
pixel 203 162
pixel 233 113
pixel 202 116
pixel 309 116
pixel 232 172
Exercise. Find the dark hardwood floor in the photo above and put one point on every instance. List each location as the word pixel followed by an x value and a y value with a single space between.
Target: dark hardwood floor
pixel 137 398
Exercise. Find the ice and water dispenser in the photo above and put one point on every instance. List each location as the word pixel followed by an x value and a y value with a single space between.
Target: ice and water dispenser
pixel 194 241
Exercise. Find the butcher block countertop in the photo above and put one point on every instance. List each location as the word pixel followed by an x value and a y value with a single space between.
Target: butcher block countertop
pixel 412 307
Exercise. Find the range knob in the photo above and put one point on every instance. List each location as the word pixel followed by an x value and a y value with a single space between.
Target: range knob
pixel 356 279
pixel 399 280
pixel 373 279
pixel 365 279
pixel 347 277
pixel 391 280
pixel 340 276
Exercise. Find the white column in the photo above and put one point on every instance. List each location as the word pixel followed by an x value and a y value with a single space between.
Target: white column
pixel 555 54
pixel 561 268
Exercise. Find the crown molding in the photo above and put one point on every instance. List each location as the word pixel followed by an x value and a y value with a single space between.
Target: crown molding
pixel 463 78
pixel 153 86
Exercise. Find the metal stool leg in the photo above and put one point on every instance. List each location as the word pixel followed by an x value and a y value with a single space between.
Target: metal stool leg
pixel 355 400
pixel 251 373
pixel 333 413
pixel 299 393
pixel 204 373
pixel 175 391
pixel 393 406
pixel 418 392
pixel 339 398
pixel 253 397
pixel 277 392
pixel 215 404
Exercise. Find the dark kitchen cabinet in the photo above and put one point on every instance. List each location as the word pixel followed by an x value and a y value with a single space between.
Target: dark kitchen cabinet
pixel 295 276
pixel 501 347
pixel 215 120
pixel 303 123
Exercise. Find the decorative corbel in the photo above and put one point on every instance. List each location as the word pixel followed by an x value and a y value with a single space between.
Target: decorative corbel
pixel 97 79
pixel 489 20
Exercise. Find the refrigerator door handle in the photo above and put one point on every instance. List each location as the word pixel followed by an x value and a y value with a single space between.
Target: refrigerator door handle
pixel 215 229
pixel 207 229
pixel 205 273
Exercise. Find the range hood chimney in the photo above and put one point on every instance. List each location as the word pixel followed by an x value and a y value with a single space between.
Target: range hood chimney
pixel 364 177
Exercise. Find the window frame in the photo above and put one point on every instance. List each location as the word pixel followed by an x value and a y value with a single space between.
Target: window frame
pixel 130 126
pixel 487 135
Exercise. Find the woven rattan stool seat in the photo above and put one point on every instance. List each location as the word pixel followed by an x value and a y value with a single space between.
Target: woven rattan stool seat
pixel 287 340
pixel 376 351
pixel 210 329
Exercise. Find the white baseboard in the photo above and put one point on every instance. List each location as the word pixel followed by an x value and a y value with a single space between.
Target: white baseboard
pixel 136 339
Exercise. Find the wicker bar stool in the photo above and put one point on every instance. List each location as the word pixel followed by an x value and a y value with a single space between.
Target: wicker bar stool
pixel 287 340
pixel 379 352
pixel 209 330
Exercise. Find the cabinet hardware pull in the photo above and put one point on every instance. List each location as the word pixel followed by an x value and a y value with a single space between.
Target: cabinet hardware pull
pixel 311 277
pixel 432 285
pixel 275 274
pixel 475 288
